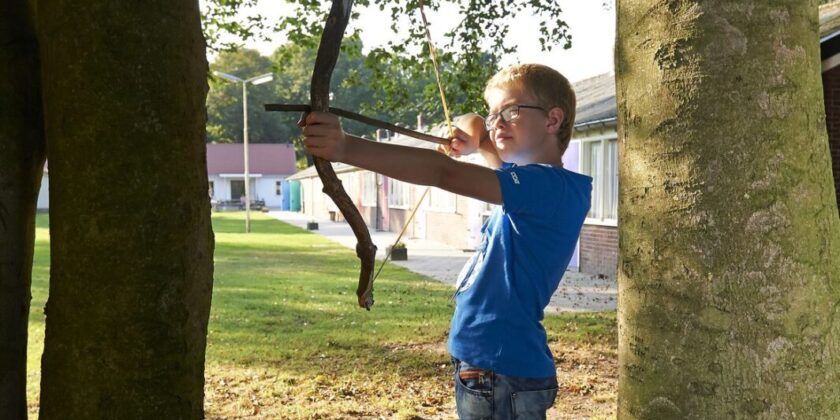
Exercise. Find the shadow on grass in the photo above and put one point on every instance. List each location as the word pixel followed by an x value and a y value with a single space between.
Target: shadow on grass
pixel 284 299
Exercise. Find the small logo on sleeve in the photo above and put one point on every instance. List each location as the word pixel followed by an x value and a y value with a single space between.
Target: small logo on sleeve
pixel 515 178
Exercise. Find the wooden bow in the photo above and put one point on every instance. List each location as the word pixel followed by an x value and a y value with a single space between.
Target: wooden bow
pixel 319 96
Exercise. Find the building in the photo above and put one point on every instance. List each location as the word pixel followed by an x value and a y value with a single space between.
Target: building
pixel 594 152
pixel 270 164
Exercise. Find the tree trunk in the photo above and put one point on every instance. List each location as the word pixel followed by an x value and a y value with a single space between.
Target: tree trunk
pixel 729 271
pixel 21 167
pixel 131 241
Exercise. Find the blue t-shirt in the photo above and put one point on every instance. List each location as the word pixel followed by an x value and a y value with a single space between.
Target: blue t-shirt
pixel 502 291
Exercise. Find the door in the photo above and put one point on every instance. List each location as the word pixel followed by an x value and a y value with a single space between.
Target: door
pixel 237 189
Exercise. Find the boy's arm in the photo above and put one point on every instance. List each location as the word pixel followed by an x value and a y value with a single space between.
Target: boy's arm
pixel 325 138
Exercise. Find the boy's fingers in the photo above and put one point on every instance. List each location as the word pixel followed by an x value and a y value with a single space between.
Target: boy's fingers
pixel 317 117
pixel 310 130
pixel 461 135
pixel 313 142
pixel 321 130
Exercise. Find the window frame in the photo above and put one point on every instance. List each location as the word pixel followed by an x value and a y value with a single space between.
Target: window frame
pixel 601 179
pixel 403 195
pixel 368 197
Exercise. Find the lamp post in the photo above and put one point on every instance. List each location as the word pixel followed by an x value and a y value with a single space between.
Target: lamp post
pixel 256 80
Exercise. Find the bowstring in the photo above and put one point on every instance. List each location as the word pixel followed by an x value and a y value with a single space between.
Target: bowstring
pixel 448 118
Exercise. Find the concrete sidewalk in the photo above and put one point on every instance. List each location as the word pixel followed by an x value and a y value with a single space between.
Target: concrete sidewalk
pixel 577 292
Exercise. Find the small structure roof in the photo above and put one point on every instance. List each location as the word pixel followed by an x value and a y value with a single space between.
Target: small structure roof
pixel 266 159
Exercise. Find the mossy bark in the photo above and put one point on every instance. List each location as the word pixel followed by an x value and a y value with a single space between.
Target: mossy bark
pixel 729 271
pixel 124 85
pixel 21 166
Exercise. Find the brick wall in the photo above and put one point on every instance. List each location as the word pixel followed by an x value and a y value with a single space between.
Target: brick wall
pixel 831 91
pixel 599 250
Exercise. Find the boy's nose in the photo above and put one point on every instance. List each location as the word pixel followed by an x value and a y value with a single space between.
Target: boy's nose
pixel 500 122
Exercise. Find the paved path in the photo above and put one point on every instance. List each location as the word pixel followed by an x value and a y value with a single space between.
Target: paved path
pixel 577 292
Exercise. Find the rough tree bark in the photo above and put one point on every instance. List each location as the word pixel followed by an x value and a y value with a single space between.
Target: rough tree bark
pixel 124 85
pixel 21 165
pixel 729 271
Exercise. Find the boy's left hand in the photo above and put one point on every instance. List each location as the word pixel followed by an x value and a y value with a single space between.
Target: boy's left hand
pixel 323 136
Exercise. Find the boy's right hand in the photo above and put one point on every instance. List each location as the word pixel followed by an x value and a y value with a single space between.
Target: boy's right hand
pixel 323 136
pixel 460 145
pixel 467 136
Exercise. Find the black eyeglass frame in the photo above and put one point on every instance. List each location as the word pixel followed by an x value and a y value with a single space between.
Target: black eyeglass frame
pixel 490 120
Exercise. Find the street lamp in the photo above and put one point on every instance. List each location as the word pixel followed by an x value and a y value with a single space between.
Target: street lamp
pixel 256 80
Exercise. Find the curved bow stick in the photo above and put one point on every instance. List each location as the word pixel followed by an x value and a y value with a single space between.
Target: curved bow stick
pixel 319 95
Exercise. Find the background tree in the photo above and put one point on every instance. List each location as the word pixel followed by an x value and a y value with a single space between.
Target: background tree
pixel 292 64
pixel 224 102
pixel 468 58
pixel 124 86
pixel 729 272
pixel 21 166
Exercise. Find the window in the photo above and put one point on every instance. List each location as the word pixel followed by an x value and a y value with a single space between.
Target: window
pixel 397 194
pixel 278 188
pixel 441 201
pixel 369 189
pixel 599 159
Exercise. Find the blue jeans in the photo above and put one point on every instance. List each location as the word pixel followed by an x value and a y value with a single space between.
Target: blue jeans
pixel 482 394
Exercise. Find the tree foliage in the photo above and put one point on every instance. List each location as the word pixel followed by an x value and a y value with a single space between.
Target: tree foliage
pixel 224 101
pixel 222 19
pixel 291 64
pixel 469 57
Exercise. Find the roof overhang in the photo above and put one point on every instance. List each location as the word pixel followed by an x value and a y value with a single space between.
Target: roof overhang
pixel 606 122
pixel 239 175
pixel 830 50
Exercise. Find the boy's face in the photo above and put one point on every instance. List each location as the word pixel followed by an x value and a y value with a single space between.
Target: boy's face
pixel 526 139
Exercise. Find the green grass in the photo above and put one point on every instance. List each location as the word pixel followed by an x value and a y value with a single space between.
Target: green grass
pixel 287 338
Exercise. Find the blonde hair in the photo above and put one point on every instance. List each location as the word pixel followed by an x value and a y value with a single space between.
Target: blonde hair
pixel 547 86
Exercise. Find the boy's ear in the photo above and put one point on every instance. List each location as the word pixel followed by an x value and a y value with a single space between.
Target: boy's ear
pixel 555 120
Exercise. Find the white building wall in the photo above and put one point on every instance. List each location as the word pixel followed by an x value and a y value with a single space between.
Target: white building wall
pixel 262 188
pixel 44 193
pixel 267 189
pixel 221 188
pixel 307 205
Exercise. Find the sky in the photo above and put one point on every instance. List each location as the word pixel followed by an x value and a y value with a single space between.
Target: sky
pixel 591 24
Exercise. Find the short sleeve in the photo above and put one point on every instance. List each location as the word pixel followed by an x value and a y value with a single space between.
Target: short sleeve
pixel 531 189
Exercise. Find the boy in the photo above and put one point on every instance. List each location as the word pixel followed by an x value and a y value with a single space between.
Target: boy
pixel 503 366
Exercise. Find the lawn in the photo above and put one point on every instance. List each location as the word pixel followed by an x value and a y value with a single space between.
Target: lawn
pixel 287 340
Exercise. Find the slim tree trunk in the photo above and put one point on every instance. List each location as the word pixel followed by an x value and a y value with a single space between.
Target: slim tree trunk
pixel 131 241
pixel 729 271
pixel 21 167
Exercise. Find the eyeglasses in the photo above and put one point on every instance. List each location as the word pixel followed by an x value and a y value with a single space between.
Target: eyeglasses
pixel 508 114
